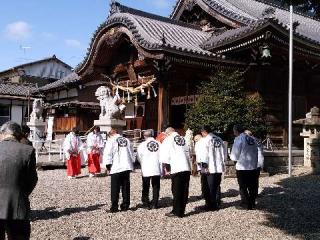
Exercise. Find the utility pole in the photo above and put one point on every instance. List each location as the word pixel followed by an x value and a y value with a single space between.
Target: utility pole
pixel 290 93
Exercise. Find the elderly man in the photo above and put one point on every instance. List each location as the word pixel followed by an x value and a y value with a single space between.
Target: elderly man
pixel 118 159
pixel 18 177
pixel 174 153
pixel 212 164
pixel 245 153
pixel 148 156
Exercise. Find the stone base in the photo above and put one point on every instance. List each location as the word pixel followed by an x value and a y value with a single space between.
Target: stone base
pixel 37 129
pixel 106 124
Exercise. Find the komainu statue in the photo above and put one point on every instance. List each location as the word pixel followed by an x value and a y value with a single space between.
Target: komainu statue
pixel 111 107
pixel 37 109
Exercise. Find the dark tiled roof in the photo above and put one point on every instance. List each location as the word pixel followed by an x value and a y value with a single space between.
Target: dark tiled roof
pixel 13 89
pixel 71 78
pixel 149 29
pixel 250 11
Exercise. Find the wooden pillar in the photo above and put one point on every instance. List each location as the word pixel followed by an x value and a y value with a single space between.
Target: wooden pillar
pixel 160 106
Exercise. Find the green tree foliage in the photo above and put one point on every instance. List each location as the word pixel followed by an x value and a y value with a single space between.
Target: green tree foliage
pixel 223 102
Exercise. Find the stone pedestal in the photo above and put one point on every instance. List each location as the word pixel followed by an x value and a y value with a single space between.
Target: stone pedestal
pixel 106 124
pixel 37 129
pixel 311 134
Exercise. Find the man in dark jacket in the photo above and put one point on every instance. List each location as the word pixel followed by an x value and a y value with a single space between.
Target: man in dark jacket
pixel 18 177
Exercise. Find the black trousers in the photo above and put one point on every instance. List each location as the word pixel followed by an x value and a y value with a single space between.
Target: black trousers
pixel 15 229
pixel 155 181
pixel 120 181
pixel 256 187
pixel 204 185
pixel 212 190
pixel 180 191
pixel 247 185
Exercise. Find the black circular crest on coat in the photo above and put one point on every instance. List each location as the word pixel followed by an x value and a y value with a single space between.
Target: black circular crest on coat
pixel 250 141
pixel 216 142
pixel 153 146
pixel 122 142
pixel 179 141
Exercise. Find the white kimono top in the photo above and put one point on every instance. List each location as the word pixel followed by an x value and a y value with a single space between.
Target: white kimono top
pixel 118 153
pixel 72 145
pixel 174 151
pixel 213 153
pixel 245 152
pixel 149 157
pixel 95 143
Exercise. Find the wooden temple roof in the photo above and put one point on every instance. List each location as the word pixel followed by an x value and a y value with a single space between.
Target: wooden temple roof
pixel 261 29
pixel 251 12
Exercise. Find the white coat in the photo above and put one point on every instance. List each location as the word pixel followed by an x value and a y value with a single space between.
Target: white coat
pixel 118 153
pixel 72 145
pixel 149 157
pixel 95 140
pixel 174 151
pixel 245 152
pixel 213 153
pixel 199 148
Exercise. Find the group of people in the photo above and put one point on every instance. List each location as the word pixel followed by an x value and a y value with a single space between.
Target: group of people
pixel 73 149
pixel 169 154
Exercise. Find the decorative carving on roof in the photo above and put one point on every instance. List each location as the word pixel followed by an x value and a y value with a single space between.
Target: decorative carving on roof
pixel 269 12
pixel 114 7
pixel 189 4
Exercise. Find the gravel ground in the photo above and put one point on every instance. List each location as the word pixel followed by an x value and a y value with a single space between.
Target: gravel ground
pixel 76 209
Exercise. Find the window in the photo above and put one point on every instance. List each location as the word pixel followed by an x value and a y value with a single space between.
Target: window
pixel 4 114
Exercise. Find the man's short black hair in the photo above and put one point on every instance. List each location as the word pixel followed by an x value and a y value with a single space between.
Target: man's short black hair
pixel 205 128
pixel 97 128
pixel 239 128
pixel 75 130
pixel 25 129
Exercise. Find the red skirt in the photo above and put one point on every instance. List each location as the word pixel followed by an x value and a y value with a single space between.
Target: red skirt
pixel 94 163
pixel 74 165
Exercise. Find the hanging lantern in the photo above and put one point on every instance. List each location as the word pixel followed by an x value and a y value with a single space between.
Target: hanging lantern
pixel 265 52
pixel 154 92
pixel 149 93
pixel 142 91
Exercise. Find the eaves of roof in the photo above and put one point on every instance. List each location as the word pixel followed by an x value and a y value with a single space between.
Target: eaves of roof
pixel 63 82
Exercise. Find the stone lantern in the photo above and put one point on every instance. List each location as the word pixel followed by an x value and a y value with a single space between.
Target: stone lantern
pixel 311 135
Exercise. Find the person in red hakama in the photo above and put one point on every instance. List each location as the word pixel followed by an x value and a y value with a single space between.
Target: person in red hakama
pixel 95 146
pixel 71 147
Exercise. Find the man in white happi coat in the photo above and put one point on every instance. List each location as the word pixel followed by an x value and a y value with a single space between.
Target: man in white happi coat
pixel 212 160
pixel 149 156
pixel 118 159
pixel 260 160
pixel 71 147
pixel 245 153
pixel 174 154
pixel 95 146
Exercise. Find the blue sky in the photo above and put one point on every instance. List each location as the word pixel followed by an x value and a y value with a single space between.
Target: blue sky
pixel 34 29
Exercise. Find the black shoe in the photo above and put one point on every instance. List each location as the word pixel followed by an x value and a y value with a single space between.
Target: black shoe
pixel 124 209
pixel 113 210
pixel 154 207
pixel 171 214
pixel 145 205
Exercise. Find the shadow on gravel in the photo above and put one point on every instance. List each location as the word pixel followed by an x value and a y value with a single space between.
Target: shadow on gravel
pixel 294 206
pixel 230 193
pixel 52 213
pixel 81 238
